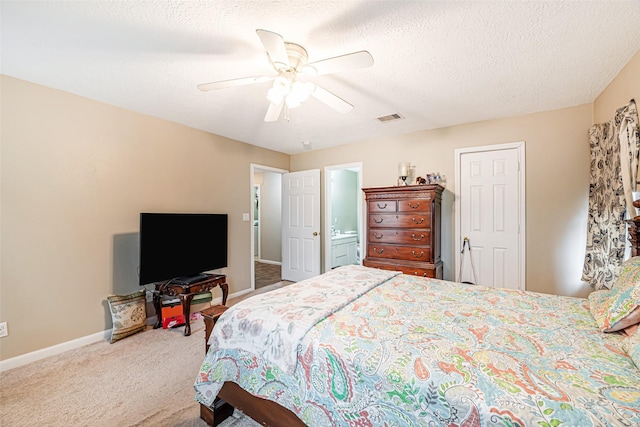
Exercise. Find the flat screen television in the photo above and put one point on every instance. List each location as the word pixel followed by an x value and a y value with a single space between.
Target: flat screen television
pixel 181 245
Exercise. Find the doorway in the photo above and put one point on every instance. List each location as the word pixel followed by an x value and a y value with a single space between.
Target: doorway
pixel 343 215
pixel 490 215
pixel 266 220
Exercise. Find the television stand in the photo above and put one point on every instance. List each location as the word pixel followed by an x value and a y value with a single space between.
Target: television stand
pixel 185 293
pixel 189 280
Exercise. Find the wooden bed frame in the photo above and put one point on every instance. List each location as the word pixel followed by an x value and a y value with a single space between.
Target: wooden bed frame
pixel 263 411
pixel 232 396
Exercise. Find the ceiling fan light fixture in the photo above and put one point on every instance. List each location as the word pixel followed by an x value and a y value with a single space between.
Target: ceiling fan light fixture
pixel 301 91
pixel 274 96
pixel 280 89
pixel 294 94
pixel 289 60
pixel 292 101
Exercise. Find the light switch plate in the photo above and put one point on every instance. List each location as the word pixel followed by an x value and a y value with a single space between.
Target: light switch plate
pixel 245 216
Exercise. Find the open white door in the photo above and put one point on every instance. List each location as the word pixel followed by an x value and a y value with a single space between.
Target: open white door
pixel 300 225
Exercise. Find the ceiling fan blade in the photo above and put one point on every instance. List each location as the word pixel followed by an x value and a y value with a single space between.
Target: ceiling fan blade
pixel 273 113
pixel 274 45
pixel 233 82
pixel 362 59
pixel 331 100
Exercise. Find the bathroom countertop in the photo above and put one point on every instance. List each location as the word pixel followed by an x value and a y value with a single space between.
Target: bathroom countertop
pixel 343 236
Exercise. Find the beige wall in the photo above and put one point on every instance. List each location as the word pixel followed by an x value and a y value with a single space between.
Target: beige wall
pixel 618 93
pixel 75 175
pixel 557 176
pixel 557 183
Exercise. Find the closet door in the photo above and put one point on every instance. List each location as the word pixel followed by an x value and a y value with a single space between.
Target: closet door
pixel 489 204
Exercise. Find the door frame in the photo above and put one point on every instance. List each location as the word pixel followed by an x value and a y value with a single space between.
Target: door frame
pixel 327 211
pixel 252 170
pixel 256 187
pixel 522 232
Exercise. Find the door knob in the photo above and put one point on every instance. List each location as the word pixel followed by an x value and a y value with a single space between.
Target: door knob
pixel 315 233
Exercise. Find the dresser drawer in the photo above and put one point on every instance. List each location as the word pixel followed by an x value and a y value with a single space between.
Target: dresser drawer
pixel 410 253
pixel 382 205
pixel 432 271
pixel 414 205
pixel 410 237
pixel 419 220
pixel 422 272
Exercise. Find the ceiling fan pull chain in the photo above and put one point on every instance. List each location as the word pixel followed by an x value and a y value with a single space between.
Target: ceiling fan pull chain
pixel 286 111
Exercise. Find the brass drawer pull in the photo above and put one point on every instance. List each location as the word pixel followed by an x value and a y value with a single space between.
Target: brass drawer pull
pixel 417 222
pixel 417 205
pixel 376 235
pixel 375 251
pixel 417 256
pixel 414 237
pixel 381 207
pixel 378 222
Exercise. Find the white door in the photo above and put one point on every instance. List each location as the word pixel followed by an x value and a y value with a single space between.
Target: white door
pixel 300 225
pixel 491 215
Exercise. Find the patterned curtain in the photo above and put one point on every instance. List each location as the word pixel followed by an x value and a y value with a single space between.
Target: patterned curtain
pixel 606 228
pixel 626 121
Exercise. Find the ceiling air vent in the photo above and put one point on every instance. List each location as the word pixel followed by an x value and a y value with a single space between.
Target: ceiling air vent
pixel 390 118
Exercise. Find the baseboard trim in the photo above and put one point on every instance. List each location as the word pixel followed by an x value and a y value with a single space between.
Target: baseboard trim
pixel 266 261
pixel 236 295
pixel 34 356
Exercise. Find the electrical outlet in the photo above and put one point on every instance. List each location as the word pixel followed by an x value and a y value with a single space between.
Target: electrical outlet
pixel 149 296
pixel 4 330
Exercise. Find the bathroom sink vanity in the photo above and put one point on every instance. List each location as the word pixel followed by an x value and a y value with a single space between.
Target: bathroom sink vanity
pixel 344 248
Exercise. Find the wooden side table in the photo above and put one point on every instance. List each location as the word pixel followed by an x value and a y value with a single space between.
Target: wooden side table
pixel 185 293
pixel 222 409
pixel 211 316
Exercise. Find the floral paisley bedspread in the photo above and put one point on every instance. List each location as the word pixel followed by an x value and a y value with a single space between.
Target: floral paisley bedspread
pixel 424 352
pixel 272 324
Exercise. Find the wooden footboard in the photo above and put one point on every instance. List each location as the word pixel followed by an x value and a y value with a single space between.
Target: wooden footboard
pixel 264 411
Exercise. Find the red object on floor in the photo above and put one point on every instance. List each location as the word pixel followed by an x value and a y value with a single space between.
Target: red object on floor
pixel 172 322
pixel 172 316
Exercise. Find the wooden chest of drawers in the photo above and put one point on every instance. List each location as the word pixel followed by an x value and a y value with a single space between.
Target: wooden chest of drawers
pixel 403 229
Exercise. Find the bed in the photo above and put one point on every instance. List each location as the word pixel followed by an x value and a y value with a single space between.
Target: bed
pixel 364 347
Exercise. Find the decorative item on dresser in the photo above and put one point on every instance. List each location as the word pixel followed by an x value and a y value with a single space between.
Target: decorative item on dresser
pixel 403 172
pixel 403 229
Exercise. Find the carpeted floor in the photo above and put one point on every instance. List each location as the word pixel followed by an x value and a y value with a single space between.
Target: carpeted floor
pixel 144 380
pixel 267 274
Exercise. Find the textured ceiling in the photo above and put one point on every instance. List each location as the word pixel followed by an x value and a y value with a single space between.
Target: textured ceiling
pixel 437 63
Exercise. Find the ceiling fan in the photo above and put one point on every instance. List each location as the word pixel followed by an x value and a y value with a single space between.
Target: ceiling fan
pixel 290 61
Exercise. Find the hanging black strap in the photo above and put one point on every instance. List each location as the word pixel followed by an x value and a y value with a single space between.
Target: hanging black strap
pixel 467 244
